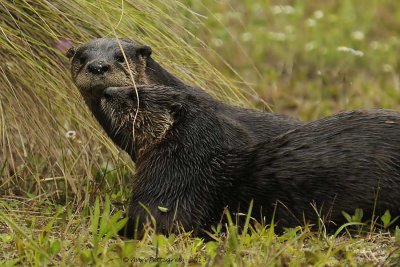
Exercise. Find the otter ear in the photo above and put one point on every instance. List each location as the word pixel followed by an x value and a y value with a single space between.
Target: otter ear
pixel 70 53
pixel 144 51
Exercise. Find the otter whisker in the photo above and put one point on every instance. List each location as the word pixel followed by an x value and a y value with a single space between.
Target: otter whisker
pixel 119 126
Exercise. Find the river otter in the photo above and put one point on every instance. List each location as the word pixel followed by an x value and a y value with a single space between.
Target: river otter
pixel 189 170
pixel 101 63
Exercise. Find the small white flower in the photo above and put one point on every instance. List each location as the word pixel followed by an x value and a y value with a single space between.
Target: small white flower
pixel 246 36
pixel 279 36
pixel 350 50
pixel 311 23
pixel 344 49
pixel 319 14
pixel 358 35
pixel 309 46
pixel 358 53
pixel 70 135
pixel 287 9
pixel 276 9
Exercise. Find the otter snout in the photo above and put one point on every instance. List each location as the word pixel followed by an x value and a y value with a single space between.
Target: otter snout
pixel 98 67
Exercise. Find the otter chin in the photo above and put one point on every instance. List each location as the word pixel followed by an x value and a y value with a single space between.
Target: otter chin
pixel 146 125
pixel 191 164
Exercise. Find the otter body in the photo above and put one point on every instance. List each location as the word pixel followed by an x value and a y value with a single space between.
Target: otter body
pixel 346 161
pixel 195 155
pixel 101 63
pixel 189 166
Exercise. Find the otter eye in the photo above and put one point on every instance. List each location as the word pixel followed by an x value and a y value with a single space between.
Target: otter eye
pixel 82 59
pixel 120 58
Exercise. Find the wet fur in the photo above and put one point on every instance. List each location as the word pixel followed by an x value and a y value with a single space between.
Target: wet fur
pixel 146 125
pixel 195 155
pixel 253 126
pixel 199 167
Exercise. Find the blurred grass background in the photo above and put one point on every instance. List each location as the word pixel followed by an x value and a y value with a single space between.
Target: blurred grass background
pixel 294 52
pixel 307 59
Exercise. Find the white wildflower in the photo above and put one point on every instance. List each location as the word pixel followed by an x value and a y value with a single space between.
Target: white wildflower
pixel 246 36
pixel 319 14
pixel 279 36
pixel 358 35
pixel 70 135
pixel 309 46
pixel 286 9
pixel 311 23
pixel 344 49
pixel 276 9
pixel 358 53
pixel 350 50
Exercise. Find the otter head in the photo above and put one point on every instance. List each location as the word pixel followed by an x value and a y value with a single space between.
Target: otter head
pixel 139 119
pixel 107 62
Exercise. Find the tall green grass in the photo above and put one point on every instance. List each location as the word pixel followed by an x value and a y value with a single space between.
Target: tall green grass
pixel 40 104
pixel 53 186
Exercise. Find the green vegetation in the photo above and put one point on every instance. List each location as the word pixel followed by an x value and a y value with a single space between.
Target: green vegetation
pixel 304 58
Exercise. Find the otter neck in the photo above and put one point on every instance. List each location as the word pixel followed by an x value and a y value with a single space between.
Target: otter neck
pixel 118 138
pixel 158 75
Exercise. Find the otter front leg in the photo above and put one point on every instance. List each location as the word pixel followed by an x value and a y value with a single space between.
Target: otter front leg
pixel 162 219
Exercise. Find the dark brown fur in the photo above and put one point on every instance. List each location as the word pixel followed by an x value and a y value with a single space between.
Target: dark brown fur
pixel 100 64
pixel 194 168
pixel 195 155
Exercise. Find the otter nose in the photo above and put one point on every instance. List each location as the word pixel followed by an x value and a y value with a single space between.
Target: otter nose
pixel 98 67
